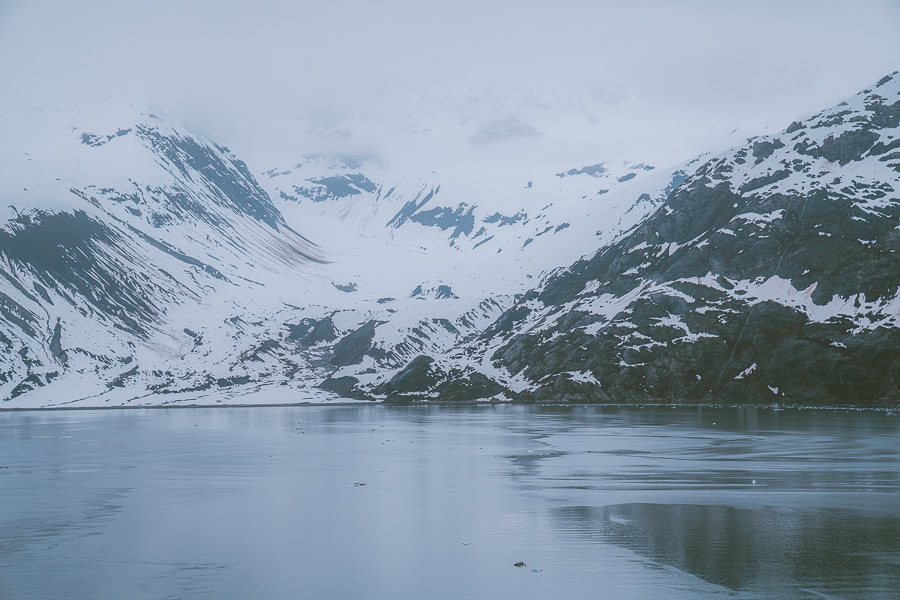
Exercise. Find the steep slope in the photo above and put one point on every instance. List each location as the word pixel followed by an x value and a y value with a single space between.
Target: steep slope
pixel 770 274
pixel 118 247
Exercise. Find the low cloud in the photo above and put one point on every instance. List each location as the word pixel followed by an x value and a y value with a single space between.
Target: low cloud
pixel 642 80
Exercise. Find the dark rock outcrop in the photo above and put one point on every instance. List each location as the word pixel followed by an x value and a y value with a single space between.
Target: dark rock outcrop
pixel 351 348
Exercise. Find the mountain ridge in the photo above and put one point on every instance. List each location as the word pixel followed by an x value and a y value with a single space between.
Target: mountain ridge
pixel 569 339
pixel 157 269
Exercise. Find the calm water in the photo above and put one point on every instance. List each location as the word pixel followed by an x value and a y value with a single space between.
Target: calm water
pixel 598 502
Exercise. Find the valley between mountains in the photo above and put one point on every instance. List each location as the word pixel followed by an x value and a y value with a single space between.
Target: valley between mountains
pixel 144 264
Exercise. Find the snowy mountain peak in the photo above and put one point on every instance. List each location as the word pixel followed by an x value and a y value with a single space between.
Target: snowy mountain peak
pixel 147 264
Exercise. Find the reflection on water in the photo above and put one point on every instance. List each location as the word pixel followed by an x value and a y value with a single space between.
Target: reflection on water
pixel 778 551
pixel 643 503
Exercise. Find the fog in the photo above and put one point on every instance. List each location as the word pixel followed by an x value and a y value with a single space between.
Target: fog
pixel 656 81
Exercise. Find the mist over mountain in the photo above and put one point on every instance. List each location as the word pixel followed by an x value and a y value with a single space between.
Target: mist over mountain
pixel 211 205
pixel 662 81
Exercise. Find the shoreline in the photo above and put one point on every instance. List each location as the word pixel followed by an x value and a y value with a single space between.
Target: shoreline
pixel 359 403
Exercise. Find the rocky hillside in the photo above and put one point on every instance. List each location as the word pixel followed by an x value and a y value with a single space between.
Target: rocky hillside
pixel 769 275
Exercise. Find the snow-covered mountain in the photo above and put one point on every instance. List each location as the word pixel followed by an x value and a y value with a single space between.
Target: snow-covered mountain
pixel 144 264
pixel 427 262
pixel 132 252
pixel 770 274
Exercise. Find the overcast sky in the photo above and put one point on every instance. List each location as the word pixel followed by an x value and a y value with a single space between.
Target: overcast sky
pixel 655 79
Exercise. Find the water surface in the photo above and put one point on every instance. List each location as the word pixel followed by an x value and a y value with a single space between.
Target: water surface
pixel 598 502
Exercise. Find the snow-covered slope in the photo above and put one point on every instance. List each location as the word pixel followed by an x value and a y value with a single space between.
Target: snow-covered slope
pixel 425 263
pixel 123 240
pixel 144 264
pixel 770 274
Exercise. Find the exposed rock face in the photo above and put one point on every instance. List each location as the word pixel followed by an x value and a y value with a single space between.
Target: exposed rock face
pixel 765 279
pixel 421 373
pixel 310 332
pixel 351 348
pixel 412 378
